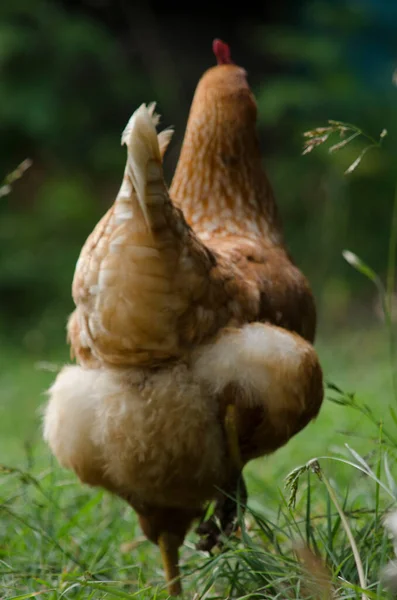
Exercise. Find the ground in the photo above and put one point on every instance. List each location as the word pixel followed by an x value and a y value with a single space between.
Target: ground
pixel 59 539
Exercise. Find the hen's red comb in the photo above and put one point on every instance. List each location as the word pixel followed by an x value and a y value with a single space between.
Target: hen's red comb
pixel 222 52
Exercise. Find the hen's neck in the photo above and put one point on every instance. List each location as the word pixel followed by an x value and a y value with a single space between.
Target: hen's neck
pixel 219 182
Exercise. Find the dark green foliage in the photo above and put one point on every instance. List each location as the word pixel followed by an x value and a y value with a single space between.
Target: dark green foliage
pixel 71 77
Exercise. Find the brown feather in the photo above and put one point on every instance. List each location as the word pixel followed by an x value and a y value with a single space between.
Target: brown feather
pixel 226 197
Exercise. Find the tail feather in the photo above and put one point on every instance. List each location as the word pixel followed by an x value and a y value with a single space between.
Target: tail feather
pixel 164 138
pixel 145 152
pixel 130 285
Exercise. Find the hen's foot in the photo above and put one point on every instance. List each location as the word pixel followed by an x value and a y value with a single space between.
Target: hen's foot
pixel 209 533
pixel 223 522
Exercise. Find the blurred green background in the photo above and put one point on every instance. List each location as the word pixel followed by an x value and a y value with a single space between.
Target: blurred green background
pixel 71 74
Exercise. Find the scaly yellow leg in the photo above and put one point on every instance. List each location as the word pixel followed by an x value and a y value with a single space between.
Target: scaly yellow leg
pixel 169 545
pixel 232 436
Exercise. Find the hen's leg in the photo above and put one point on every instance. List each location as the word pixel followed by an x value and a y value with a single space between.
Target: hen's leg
pixel 223 521
pixel 167 527
pixel 236 491
pixel 227 510
pixel 169 546
pixel 232 437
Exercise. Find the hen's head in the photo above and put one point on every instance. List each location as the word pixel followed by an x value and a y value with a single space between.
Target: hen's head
pixel 219 180
pixel 225 86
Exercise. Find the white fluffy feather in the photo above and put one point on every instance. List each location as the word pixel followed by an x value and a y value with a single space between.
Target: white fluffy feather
pixel 109 424
pixel 262 360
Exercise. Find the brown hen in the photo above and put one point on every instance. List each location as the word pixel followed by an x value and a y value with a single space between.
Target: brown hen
pixel 179 382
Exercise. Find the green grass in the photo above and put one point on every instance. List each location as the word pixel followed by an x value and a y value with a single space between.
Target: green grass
pixel 59 539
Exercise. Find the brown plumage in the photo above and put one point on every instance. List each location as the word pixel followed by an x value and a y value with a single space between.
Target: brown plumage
pixel 181 381
pixel 226 197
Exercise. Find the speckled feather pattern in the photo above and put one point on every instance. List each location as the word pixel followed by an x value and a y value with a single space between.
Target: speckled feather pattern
pixel 219 182
pixel 143 293
pixel 172 286
pixel 223 190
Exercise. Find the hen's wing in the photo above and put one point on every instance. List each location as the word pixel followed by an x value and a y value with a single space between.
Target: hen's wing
pixel 145 287
pixel 271 288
